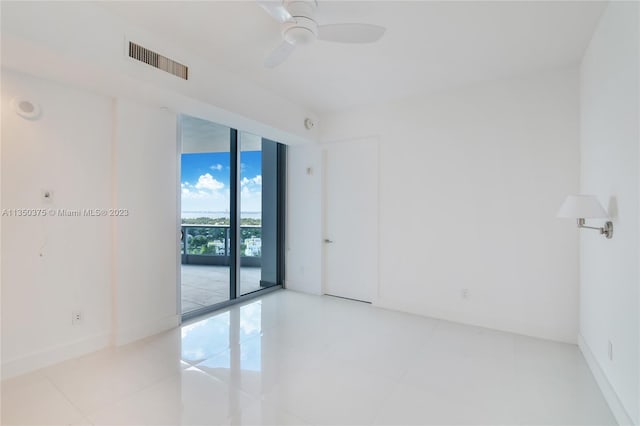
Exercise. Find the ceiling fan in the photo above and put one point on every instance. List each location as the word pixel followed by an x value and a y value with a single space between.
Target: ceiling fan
pixel 299 27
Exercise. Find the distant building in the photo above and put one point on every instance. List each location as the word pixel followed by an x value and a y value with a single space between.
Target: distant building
pixel 253 247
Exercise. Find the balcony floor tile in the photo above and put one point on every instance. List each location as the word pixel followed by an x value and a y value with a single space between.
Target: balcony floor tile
pixel 204 285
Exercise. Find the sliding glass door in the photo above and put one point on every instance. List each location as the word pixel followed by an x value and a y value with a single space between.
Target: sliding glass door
pixel 232 205
pixel 260 228
pixel 250 212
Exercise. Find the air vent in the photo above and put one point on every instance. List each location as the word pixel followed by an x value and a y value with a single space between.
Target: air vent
pixel 158 61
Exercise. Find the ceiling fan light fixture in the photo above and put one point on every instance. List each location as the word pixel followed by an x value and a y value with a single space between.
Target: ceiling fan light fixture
pixel 299 27
pixel 302 31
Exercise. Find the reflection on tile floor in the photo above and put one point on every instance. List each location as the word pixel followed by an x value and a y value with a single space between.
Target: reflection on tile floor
pixel 295 359
pixel 204 285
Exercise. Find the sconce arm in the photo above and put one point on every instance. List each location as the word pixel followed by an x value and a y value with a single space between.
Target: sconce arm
pixel 606 230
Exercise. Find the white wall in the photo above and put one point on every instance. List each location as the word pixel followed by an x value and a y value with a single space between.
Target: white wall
pixel 146 241
pixel 53 265
pixel 121 272
pixel 304 219
pixel 470 183
pixel 610 138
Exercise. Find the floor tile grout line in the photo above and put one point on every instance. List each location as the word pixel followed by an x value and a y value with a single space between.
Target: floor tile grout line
pixel 66 397
pixel 122 398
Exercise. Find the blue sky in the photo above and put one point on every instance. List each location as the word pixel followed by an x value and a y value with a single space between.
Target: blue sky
pixel 205 181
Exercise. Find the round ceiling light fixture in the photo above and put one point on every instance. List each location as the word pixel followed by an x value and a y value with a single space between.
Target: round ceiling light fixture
pixel 26 108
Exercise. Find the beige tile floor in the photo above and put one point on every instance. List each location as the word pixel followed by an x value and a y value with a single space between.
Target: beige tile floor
pixel 294 359
pixel 204 285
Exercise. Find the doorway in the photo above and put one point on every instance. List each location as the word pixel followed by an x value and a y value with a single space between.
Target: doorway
pixel 351 219
pixel 231 204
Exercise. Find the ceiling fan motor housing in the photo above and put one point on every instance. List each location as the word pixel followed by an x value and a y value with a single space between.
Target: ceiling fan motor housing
pixel 302 29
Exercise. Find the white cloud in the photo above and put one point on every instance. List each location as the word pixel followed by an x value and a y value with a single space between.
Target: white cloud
pixel 251 193
pixel 217 167
pixel 257 181
pixel 206 181
pixel 209 194
pixel 250 201
pixel 188 193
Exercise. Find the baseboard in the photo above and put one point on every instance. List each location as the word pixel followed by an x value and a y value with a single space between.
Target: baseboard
pixel 474 321
pixel 63 352
pixel 299 287
pixel 609 393
pixel 140 331
pixel 54 355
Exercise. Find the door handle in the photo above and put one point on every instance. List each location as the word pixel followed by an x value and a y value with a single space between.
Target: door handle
pixel 328 241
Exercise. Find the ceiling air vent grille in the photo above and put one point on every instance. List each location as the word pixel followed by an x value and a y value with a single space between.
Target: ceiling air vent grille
pixel 158 61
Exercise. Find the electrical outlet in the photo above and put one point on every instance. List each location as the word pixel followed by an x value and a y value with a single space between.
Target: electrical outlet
pixel 76 317
pixel 610 350
pixel 464 293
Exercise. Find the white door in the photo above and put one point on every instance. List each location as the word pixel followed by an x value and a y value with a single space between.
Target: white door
pixel 351 219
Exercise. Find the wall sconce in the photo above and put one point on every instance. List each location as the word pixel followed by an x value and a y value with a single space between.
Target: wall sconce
pixel 583 207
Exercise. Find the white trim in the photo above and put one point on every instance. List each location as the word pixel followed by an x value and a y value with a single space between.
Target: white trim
pixel 54 355
pixel 179 215
pixel 609 393
pixel 142 330
pixel 299 287
pixel 528 330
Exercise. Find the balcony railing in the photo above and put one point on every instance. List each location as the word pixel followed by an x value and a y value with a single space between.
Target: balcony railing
pixel 211 245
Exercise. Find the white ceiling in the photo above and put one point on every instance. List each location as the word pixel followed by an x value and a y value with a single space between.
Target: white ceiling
pixel 428 46
pixel 198 135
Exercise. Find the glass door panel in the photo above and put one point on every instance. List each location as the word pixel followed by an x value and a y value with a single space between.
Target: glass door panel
pixel 232 215
pixel 250 213
pixel 272 215
pixel 261 184
pixel 205 213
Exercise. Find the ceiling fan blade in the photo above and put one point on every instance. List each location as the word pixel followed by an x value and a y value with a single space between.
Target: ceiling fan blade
pixel 278 56
pixel 350 33
pixel 276 9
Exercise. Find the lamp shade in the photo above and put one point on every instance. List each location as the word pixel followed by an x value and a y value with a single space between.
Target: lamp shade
pixel 582 207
